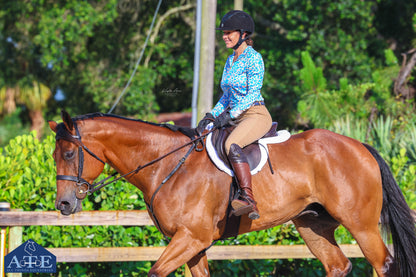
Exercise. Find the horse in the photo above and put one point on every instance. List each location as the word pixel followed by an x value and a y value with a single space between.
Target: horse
pixel 322 180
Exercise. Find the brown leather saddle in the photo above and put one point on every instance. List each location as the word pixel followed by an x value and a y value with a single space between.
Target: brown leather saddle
pixel 251 151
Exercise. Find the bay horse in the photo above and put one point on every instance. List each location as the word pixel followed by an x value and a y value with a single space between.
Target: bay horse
pixel 322 180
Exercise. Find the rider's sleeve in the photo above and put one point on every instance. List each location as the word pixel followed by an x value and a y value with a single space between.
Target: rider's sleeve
pixel 224 101
pixel 221 105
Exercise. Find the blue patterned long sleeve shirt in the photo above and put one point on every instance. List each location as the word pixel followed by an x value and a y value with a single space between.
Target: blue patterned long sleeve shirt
pixel 241 83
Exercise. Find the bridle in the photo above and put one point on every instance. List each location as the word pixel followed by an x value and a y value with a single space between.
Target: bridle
pixel 83 187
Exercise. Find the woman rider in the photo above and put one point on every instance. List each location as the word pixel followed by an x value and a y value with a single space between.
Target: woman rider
pixel 241 103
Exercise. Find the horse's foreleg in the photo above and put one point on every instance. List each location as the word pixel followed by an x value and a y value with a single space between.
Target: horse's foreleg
pixel 199 265
pixel 183 248
pixel 318 234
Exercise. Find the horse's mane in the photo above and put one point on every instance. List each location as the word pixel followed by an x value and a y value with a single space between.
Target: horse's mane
pixel 190 132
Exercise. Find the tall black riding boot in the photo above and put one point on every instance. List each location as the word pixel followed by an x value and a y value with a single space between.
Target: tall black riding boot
pixel 246 203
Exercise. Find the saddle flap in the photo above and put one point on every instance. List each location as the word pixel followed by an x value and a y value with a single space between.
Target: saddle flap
pixel 253 155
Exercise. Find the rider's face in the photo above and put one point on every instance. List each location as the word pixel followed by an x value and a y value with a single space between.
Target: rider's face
pixel 230 38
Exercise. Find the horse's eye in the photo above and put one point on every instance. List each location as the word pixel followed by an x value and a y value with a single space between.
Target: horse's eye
pixel 69 155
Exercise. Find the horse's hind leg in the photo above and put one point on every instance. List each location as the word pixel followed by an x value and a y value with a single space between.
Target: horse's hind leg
pixel 374 250
pixel 318 234
pixel 199 265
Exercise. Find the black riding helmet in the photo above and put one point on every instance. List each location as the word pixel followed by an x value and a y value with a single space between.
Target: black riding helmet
pixel 237 21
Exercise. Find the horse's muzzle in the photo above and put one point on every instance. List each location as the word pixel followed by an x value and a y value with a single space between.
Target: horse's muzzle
pixel 68 207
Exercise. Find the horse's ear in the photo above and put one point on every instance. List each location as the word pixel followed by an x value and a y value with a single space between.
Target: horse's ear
pixel 67 120
pixel 52 125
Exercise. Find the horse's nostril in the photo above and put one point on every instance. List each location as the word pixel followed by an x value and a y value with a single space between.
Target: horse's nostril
pixel 63 205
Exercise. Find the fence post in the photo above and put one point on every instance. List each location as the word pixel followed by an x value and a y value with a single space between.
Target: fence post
pixel 15 240
pixel 3 249
pixel 4 207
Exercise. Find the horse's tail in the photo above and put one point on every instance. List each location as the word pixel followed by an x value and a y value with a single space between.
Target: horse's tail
pixel 397 219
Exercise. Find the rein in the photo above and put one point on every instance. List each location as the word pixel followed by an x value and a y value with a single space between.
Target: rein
pixel 150 206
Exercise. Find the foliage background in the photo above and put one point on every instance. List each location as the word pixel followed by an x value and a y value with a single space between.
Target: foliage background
pixel 329 64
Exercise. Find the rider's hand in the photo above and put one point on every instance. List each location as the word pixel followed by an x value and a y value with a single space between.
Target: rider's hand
pixel 222 120
pixel 204 122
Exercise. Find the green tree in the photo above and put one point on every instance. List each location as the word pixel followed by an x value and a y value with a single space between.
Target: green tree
pixel 33 96
pixel 88 49
pixel 346 38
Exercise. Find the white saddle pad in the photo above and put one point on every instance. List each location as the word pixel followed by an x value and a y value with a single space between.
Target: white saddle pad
pixel 282 136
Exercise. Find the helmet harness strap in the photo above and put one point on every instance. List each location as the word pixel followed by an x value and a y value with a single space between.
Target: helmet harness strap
pixel 241 39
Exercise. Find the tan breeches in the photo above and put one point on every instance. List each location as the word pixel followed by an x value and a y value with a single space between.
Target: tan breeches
pixel 251 126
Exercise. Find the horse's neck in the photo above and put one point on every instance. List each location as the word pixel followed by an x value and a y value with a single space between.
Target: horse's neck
pixel 129 144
